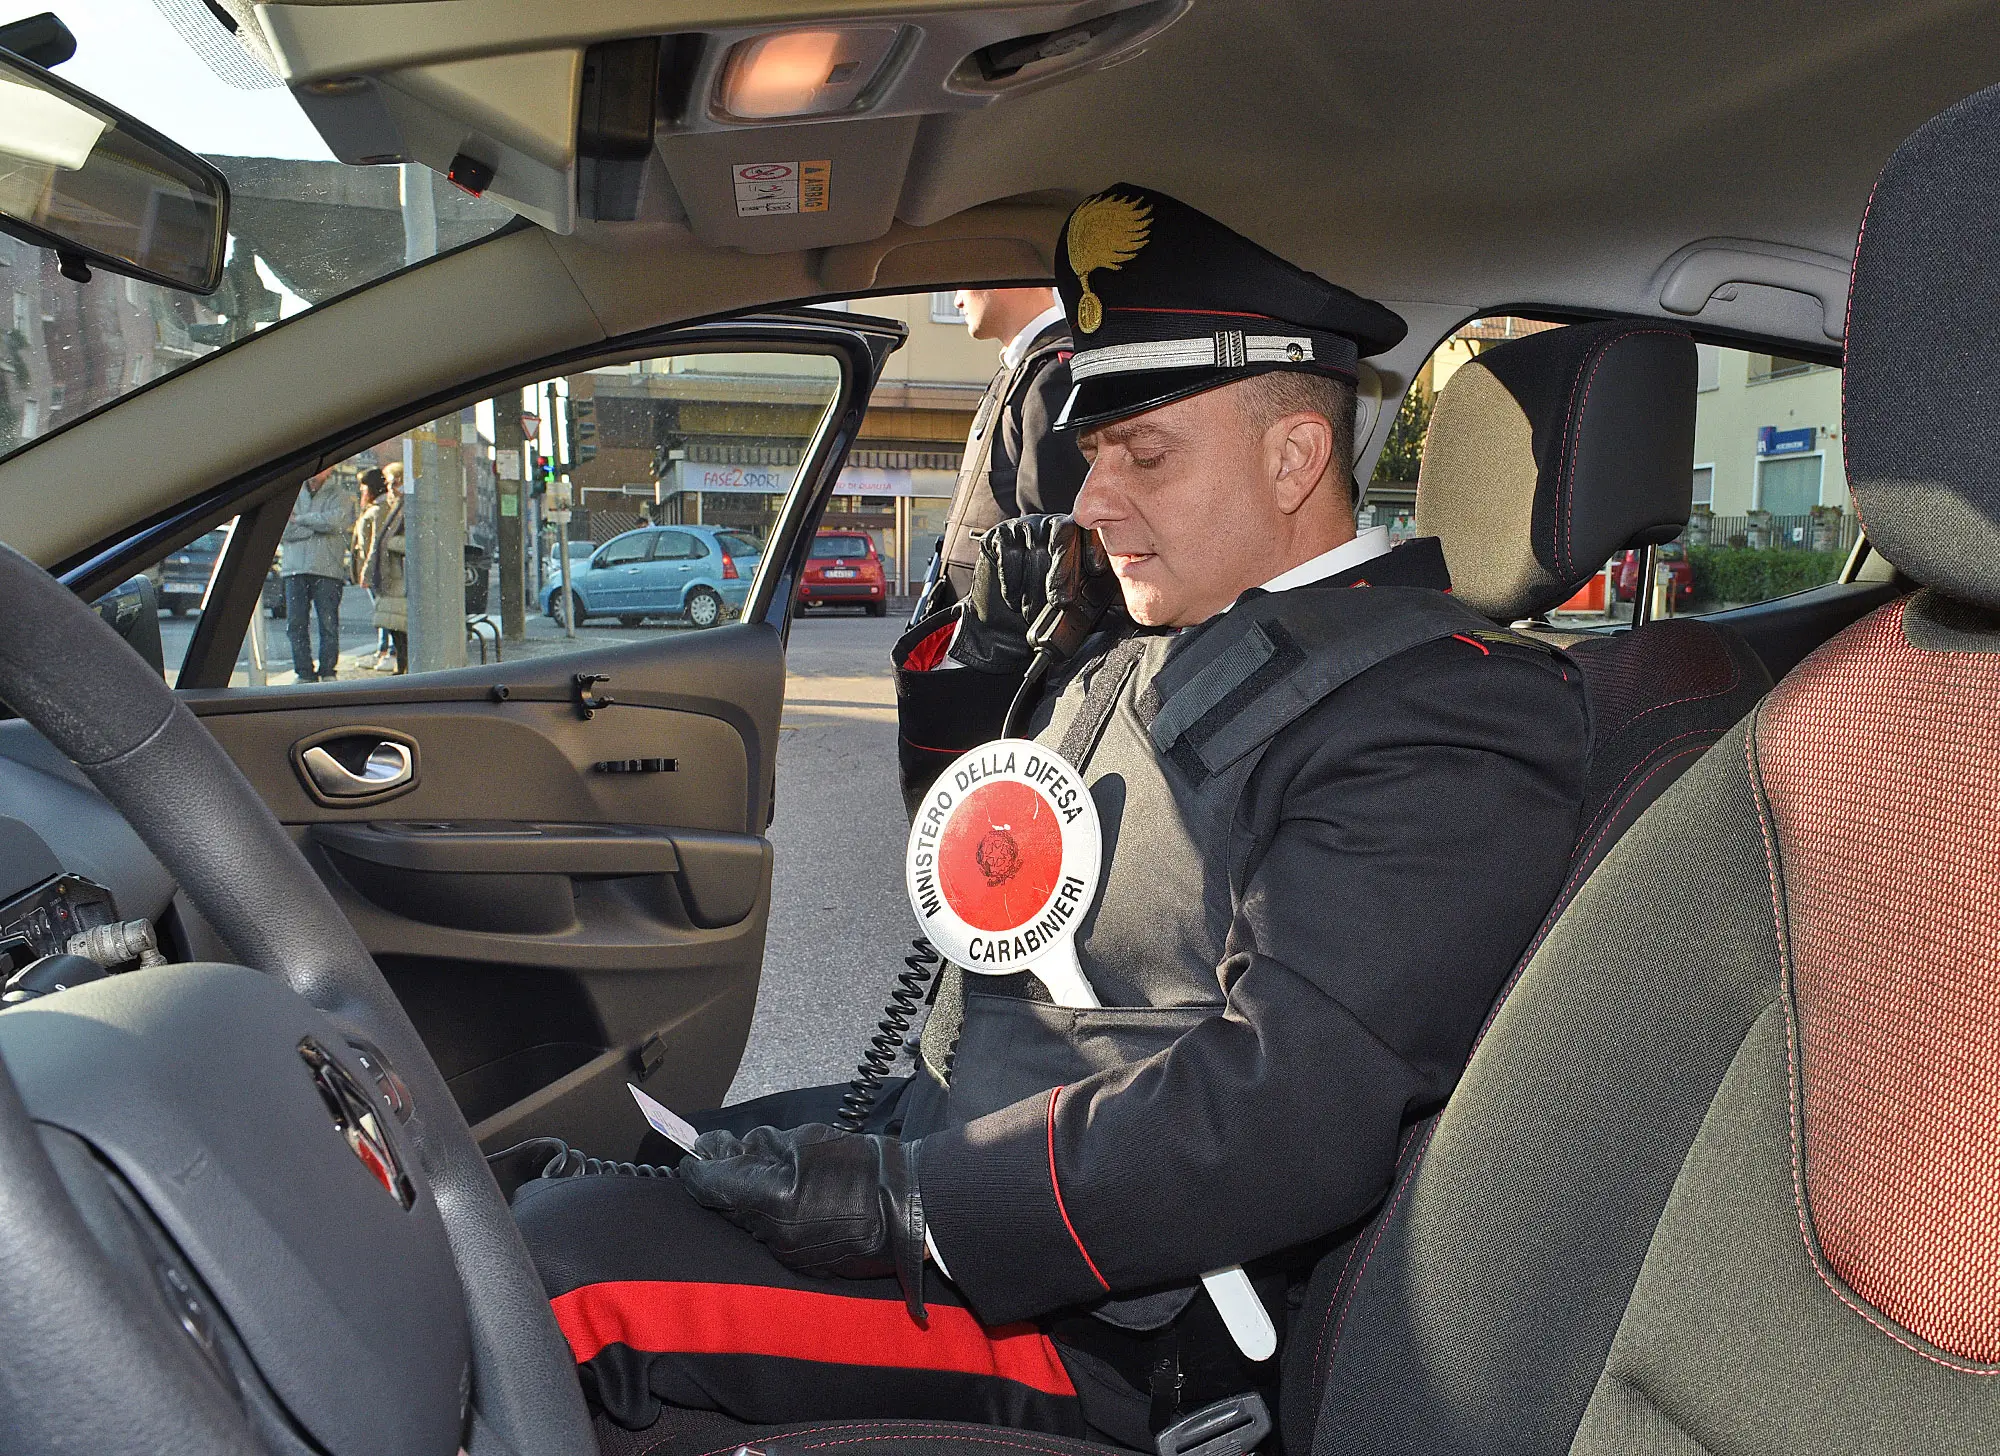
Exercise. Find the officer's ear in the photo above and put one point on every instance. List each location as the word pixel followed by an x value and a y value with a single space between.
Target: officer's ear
pixel 1301 448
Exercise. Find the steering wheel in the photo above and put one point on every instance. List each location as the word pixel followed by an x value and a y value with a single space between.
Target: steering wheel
pixel 240 1208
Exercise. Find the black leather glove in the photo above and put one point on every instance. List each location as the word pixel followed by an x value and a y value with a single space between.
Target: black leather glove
pixel 825 1202
pixel 1024 564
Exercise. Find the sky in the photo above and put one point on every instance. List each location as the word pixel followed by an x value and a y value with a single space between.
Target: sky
pixel 127 53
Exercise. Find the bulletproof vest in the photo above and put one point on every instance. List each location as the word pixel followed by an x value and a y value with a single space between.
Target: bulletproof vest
pixel 1167 730
pixel 979 501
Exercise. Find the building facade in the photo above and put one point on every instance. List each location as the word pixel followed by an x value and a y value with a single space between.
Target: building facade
pixel 690 440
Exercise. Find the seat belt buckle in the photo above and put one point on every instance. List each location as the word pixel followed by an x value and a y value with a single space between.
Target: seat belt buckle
pixel 1230 1427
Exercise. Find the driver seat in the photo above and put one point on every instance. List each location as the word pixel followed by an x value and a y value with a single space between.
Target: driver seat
pixel 1723 1175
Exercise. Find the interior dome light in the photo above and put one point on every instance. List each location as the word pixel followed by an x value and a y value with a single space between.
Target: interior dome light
pixel 798 73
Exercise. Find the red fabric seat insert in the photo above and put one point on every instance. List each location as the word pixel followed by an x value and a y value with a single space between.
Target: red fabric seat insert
pixel 1879 764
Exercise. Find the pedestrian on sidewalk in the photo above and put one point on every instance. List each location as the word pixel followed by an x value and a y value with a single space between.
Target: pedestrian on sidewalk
pixel 383 575
pixel 375 505
pixel 313 563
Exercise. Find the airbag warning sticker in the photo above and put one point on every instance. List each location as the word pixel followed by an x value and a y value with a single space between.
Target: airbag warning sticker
pixel 766 188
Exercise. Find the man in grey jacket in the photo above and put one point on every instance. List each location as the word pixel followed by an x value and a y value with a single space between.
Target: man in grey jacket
pixel 313 562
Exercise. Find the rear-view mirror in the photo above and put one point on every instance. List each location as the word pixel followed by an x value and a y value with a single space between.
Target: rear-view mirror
pixel 97 186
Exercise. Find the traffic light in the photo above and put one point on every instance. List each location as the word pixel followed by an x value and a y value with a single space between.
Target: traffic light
pixel 582 430
pixel 541 471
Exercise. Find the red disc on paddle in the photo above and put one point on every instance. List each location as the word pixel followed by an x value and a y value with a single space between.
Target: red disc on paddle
pixel 1000 856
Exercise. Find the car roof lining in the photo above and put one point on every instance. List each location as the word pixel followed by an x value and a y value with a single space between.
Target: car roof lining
pixel 1465 152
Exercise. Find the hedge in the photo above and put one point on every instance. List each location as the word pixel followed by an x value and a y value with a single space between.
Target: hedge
pixel 1738 574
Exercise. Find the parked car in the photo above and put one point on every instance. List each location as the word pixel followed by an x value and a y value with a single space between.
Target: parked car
pixel 1679 571
pixel 844 570
pixel 697 573
pixel 182 578
pixel 579 553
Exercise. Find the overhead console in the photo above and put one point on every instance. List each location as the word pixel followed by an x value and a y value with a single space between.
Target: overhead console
pixel 563 112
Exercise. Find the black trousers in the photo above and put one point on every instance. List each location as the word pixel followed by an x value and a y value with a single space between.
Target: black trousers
pixel 667 1304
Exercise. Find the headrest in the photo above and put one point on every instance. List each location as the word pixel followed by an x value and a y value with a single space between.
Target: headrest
pixel 1921 411
pixel 1550 453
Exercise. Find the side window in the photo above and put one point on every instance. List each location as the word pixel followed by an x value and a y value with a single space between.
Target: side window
pixel 416 553
pixel 627 549
pixel 1771 515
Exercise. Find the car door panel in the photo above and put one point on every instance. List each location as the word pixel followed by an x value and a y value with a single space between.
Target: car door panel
pixel 609 870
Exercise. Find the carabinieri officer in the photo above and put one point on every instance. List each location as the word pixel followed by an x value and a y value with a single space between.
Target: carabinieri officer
pixel 1335 806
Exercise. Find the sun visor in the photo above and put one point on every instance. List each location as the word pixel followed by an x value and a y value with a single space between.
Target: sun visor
pixel 777 189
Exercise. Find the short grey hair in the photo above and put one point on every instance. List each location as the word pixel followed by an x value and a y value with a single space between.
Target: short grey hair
pixel 1267 398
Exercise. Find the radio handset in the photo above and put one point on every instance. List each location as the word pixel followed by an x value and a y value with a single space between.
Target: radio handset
pixel 1061 626
pixel 1065 623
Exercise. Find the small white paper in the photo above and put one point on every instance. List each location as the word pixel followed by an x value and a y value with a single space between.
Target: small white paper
pixel 675 1130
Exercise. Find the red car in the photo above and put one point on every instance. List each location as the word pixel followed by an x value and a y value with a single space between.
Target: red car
pixel 844 569
pixel 1678 571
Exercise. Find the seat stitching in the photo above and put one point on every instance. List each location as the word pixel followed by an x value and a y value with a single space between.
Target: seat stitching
pixel 1608 815
pixel 734 1445
pixel 1561 542
pixel 1735 677
pixel 1611 808
pixel 1340 1285
pixel 1792 1072
pixel 1847 324
pixel 1347 1304
pixel 1563 903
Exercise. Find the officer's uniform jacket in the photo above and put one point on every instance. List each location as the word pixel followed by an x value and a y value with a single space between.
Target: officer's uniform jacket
pixel 1014 464
pixel 1333 817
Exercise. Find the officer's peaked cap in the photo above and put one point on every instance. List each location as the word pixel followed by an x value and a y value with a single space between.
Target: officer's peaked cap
pixel 1165 302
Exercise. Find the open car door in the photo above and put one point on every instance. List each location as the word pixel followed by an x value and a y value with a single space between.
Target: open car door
pixel 556 850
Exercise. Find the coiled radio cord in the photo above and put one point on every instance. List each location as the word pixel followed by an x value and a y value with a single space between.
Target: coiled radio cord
pixel 913 988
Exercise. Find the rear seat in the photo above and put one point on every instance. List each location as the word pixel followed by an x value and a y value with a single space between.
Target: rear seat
pixel 1546 456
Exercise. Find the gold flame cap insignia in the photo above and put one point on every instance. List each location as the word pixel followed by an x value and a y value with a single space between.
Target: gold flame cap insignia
pixel 1105 232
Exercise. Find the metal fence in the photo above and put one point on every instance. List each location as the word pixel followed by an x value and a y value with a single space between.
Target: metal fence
pixel 1826 529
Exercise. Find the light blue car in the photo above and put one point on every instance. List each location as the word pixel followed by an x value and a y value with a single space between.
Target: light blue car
pixel 700 574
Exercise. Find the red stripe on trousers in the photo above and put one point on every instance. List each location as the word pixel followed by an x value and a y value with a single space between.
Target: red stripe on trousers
pixel 795 1324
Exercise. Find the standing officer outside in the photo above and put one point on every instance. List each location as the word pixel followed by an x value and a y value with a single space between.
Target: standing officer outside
pixel 1335 805
pixel 1014 464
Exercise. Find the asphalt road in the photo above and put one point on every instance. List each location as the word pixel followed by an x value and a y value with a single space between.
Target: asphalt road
pixel 840 922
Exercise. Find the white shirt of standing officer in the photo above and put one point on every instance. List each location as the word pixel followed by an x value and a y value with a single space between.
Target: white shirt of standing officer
pixel 1198 500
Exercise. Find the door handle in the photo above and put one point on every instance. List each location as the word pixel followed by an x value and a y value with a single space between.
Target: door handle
pixel 389 765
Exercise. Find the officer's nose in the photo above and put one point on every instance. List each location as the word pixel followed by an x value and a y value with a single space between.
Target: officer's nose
pixel 1096 502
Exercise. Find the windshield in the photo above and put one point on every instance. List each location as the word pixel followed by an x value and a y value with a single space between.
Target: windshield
pixel 304 228
pixel 738 545
pixel 825 548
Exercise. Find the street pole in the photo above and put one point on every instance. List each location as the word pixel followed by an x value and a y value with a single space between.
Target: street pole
pixel 507 476
pixel 561 515
pixel 434 499
pixel 559 501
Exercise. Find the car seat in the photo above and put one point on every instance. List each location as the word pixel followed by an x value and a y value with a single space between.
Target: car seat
pixel 1546 456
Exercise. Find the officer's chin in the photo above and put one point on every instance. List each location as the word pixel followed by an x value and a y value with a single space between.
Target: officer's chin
pixel 1146 605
